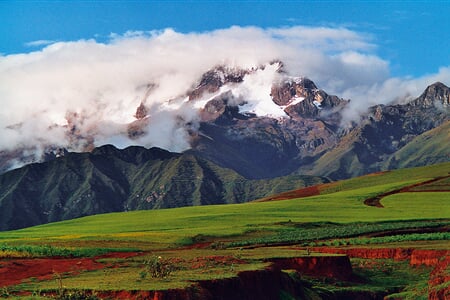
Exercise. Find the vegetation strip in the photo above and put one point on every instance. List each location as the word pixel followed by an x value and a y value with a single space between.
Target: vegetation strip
pixel 51 251
pixel 325 231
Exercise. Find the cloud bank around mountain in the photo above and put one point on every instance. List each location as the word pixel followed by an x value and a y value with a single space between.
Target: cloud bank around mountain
pixel 93 89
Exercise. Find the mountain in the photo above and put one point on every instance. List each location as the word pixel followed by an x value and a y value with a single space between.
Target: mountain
pixel 302 122
pixel 431 147
pixel 111 180
pixel 392 136
pixel 263 123
pixel 311 139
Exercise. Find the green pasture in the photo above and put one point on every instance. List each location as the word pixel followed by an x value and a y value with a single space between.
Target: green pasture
pixel 168 227
pixel 403 177
pixel 338 217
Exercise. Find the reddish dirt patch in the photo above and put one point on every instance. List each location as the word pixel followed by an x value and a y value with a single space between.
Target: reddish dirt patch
pixel 438 276
pixel 150 295
pixel 428 257
pixel 300 193
pixel 14 271
pixel 376 174
pixel 338 267
pixel 202 245
pixel 415 256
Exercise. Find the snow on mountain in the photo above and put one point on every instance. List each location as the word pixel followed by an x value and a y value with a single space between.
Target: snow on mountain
pixel 255 93
pixel 162 114
pixel 296 100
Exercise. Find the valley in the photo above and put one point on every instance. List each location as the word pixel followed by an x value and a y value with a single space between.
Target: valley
pixel 328 246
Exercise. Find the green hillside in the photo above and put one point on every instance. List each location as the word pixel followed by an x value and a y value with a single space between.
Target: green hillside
pixel 428 148
pixel 343 202
pixel 205 244
pixel 113 180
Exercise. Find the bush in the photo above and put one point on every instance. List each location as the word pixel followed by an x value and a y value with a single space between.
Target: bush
pixel 157 267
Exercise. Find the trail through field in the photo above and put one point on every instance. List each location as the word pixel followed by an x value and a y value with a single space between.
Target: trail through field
pixel 376 201
pixel 15 271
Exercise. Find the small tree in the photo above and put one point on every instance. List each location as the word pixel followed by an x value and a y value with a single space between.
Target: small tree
pixel 157 267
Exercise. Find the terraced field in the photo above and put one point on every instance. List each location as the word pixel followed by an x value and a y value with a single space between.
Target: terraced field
pixel 203 252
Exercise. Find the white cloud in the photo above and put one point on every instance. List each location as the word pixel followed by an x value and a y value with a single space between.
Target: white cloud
pixel 39 43
pixel 104 83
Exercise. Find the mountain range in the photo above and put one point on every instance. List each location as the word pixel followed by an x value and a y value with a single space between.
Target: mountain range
pixel 240 150
pixel 111 180
pixel 313 139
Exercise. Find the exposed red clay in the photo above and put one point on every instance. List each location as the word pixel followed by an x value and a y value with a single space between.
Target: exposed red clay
pixel 440 275
pixel 173 294
pixel 300 193
pixel 202 245
pixel 338 267
pixel 14 271
pixel 415 256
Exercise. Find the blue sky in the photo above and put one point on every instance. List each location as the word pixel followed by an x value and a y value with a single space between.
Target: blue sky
pixel 411 35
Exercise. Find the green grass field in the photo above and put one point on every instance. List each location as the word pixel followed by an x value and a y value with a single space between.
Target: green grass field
pixel 169 226
pixel 336 217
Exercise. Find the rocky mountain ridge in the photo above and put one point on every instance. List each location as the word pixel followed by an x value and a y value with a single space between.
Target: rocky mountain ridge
pixel 312 140
pixel 293 126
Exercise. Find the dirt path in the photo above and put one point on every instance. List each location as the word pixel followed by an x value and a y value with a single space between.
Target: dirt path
pixel 376 201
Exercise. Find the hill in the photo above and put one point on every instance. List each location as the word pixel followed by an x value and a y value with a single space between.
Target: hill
pixel 111 180
pixel 391 180
pixel 209 251
pixel 341 201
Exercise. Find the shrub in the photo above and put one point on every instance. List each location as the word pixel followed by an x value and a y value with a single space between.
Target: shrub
pixel 157 267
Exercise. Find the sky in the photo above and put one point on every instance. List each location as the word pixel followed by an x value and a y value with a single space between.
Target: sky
pixel 411 35
pixel 88 64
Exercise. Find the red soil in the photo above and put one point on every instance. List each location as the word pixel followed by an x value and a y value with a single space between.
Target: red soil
pixel 338 267
pixel 150 295
pixel 14 271
pixel 202 245
pixel 415 256
pixel 300 193
pixel 438 276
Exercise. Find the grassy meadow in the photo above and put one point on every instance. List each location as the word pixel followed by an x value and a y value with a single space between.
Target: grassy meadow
pixel 238 237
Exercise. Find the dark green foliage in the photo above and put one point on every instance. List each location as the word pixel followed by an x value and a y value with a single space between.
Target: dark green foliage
pixel 51 251
pixel 157 267
pixel 312 232
pixel 112 180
